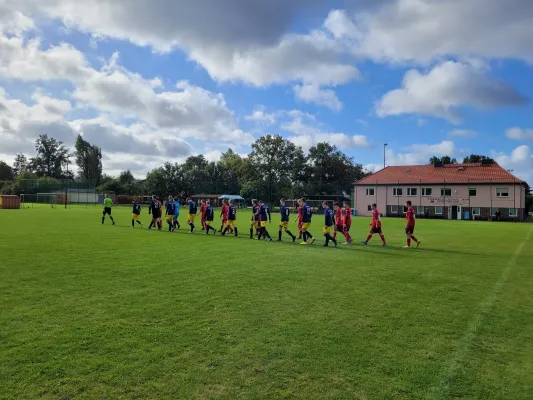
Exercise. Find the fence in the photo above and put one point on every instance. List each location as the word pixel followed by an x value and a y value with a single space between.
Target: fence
pixel 482 199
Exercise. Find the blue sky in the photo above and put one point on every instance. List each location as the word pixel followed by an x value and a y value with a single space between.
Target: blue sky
pixel 168 79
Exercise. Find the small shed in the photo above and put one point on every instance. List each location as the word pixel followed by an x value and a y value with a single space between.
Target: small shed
pixel 9 202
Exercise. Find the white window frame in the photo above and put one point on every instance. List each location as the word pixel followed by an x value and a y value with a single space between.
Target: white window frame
pixel 410 192
pixel 369 207
pixel 367 191
pixel 494 211
pixel 500 190
pixel 443 192
pixel 425 191
pixel 441 210
pixel 394 209
pixel 395 192
pixel 420 210
pixel 514 212
pixel 478 211
pixel 472 195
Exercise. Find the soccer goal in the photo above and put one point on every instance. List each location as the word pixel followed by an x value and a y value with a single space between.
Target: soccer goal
pixel 47 199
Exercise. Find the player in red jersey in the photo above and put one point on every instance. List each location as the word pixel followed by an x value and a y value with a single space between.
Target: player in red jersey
pixel 410 219
pixel 338 220
pixel 347 222
pixel 300 219
pixel 375 226
pixel 203 207
pixel 224 215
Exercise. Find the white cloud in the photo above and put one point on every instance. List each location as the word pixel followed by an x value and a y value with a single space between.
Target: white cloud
pixel 517 133
pixel 260 116
pixel 444 89
pixel 13 21
pixel 362 122
pixel 418 154
pixel 520 161
pixel 312 93
pixel 464 133
pixel 421 31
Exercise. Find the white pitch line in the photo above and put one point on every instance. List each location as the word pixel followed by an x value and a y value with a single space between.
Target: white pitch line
pixel 452 365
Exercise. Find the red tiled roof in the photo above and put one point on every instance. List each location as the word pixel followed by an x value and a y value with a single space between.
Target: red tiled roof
pixel 451 173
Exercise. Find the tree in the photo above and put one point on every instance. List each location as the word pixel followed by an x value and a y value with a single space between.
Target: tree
pixel 169 179
pixel 20 164
pixel 88 160
pixel 476 158
pixel 272 157
pixel 6 172
pixel 126 178
pixel 442 160
pixel 51 157
pixel 230 164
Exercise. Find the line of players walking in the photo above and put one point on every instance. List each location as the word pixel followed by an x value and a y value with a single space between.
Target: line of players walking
pixel 336 221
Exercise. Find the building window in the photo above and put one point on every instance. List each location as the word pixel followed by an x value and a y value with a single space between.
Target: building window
pixel 472 192
pixel 502 192
pixel 412 192
pixel 369 207
pixel 420 210
pixel 426 191
pixel 494 212
pixel 512 212
pixel 397 192
pixel 370 191
pixel 394 209
pixel 476 211
pixel 438 210
pixel 446 192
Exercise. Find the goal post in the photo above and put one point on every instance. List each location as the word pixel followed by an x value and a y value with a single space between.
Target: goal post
pixel 47 199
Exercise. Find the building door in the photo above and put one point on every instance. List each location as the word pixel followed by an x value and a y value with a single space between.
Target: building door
pixel 452 212
pixel 459 212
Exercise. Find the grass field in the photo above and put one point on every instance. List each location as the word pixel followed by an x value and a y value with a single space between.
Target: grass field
pixel 91 311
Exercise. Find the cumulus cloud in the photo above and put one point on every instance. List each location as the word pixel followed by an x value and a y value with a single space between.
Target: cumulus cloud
pixel 520 160
pixel 517 133
pixel 444 89
pixel 312 93
pixel 463 133
pixel 418 154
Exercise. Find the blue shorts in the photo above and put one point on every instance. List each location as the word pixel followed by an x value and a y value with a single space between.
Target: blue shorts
pixel 176 216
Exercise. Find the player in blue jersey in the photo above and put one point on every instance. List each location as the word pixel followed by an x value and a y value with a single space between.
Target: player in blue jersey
pixel 307 215
pixel 209 215
pixel 329 222
pixel 264 216
pixel 232 219
pixel 192 214
pixel 284 222
pixel 135 213
pixel 175 222
pixel 170 211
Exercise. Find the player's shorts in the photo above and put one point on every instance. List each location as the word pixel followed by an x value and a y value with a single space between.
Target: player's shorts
pixel 107 210
pixel 409 230
pixel 339 228
pixel 300 224
pixel 191 217
pixel 156 216
pixel 284 224
pixel 202 217
pixel 224 220
pixel 135 217
pixel 254 224
pixel 176 216
pixel 231 222
pixel 262 224
pixel 376 229
pixel 208 223
pixel 326 229
pixel 306 225
pixel 346 228
pixel 169 218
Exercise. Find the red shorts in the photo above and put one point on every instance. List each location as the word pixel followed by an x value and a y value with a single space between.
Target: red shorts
pixel 339 228
pixel 410 229
pixel 300 224
pixel 376 229
pixel 347 228
pixel 224 220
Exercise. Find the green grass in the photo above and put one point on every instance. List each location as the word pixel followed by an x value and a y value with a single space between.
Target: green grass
pixel 107 312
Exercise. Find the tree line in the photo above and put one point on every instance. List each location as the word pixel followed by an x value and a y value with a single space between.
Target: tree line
pixel 275 168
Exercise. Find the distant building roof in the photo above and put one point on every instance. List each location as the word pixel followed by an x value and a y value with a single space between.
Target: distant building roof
pixel 449 173
pixel 230 197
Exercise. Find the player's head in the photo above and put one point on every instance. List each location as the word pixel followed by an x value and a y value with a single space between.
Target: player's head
pixel 325 204
pixel 346 204
pixel 154 197
pixel 208 202
pixel 232 202
pixel 374 206
pixel 260 202
pixel 170 198
pixel 106 196
pixel 337 205
pixel 254 202
pixel 282 202
pixel 408 203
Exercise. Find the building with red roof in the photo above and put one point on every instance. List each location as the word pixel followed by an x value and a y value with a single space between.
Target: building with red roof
pixel 453 191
